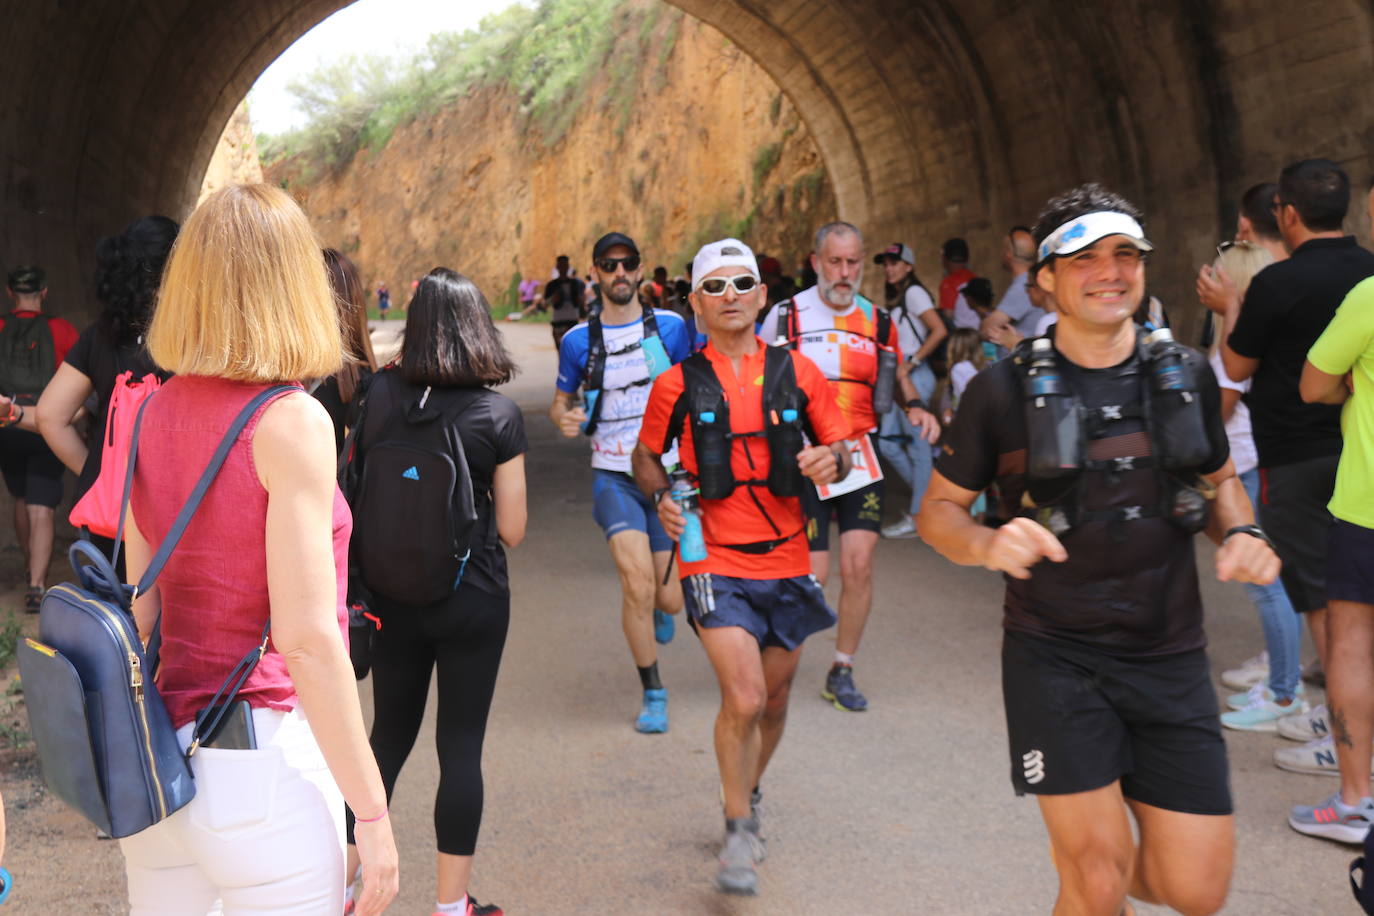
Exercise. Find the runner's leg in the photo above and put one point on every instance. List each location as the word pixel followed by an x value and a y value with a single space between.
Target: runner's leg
pixel 668 596
pixel 635 566
pixel 41 530
pixel 856 589
pixel 1185 860
pixel 1350 693
pixel 1092 848
pixel 739 667
pixel 779 668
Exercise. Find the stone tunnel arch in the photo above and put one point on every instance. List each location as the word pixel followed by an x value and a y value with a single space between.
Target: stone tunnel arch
pixel 935 118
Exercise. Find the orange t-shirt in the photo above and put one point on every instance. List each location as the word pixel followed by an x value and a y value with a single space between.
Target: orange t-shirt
pixel 843 345
pixel 738 519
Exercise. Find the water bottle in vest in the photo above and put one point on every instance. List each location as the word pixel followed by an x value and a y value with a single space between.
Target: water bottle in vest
pixel 712 442
pixel 1176 407
pixel 784 444
pixel 692 544
pixel 885 382
pixel 1051 419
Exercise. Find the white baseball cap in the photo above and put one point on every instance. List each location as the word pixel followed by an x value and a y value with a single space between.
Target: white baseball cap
pixel 725 253
pixel 1082 231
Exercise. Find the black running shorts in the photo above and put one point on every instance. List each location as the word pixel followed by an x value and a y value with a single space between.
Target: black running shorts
pixel 1350 571
pixel 1293 513
pixel 1079 719
pixel 860 510
pixel 31 471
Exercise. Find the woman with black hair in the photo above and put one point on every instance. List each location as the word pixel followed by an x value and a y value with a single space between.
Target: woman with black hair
pixel 341 393
pixel 451 353
pixel 127 275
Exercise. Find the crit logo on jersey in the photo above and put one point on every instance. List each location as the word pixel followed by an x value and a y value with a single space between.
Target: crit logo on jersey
pixel 1033 766
pixel 411 473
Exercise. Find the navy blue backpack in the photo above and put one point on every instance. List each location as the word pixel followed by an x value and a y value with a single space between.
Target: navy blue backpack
pixel 104 737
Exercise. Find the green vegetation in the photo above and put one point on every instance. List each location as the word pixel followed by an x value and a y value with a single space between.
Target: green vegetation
pixel 9 638
pixel 775 109
pixel 546 52
pixel 765 160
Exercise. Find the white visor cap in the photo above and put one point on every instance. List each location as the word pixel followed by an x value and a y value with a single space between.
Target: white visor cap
pixel 1082 231
pixel 725 253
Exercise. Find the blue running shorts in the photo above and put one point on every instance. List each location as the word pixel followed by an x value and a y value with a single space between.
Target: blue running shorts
pixel 776 612
pixel 619 506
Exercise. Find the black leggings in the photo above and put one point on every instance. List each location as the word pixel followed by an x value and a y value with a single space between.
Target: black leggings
pixel 464 637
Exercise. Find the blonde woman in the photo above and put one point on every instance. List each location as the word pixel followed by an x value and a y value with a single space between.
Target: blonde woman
pixel 244 305
pixel 1272 677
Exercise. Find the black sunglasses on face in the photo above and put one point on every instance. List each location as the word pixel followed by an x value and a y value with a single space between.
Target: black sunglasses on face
pixel 608 265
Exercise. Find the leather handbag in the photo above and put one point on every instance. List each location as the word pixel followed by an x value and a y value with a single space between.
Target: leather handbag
pixel 106 742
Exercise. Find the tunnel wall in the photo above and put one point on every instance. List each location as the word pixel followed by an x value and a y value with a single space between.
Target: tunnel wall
pixel 936 118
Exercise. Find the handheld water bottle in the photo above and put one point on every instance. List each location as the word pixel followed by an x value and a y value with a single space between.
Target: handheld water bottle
pixel 1051 416
pixel 692 544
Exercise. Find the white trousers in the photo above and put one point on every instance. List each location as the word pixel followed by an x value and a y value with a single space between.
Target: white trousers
pixel 264 833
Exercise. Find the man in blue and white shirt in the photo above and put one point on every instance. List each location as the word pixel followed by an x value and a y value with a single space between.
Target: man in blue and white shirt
pixel 617 353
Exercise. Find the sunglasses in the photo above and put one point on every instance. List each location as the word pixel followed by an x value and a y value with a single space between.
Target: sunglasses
pixel 715 286
pixel 608 265
pixel 1228 245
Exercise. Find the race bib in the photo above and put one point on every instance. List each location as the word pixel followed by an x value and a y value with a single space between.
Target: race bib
pixel 864 472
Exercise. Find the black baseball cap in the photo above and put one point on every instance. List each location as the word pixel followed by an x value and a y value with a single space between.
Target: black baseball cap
pixel 610 240
pixel 28 280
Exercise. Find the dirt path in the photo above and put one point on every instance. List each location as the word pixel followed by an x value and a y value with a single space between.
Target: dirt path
pixel 904 809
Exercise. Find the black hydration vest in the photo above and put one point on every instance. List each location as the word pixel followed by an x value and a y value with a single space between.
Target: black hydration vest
pixel 789 335
pixel 594 386
pixel 1161 478
pixel 785 422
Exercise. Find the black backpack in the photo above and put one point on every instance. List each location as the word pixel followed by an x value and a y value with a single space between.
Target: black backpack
pixel 414 512
pixel 28 359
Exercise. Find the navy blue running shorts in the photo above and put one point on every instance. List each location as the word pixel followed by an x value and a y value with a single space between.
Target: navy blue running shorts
pixel 618 506
pixel 776 612
pixel 1350 563
pixel 1080 719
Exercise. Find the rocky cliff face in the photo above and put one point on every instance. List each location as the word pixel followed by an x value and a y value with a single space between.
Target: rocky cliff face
pixel 236 157
pixel 682 139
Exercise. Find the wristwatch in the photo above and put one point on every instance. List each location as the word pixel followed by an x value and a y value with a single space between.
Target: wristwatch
pixel 659 494
pixel 1253 530
pixel 915 402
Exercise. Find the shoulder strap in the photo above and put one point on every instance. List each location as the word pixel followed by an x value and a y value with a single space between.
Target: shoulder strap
pixel 883 323
pixel 596 353
pixel 183 519
pixel 650 321
pixel 779 377
pixel 697 374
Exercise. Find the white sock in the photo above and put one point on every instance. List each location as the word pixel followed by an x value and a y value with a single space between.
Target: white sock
pixel 458 906
pixel 843 658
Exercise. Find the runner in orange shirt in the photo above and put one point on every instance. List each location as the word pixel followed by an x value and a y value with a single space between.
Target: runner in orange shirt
pixel 739 410
pixel 846 336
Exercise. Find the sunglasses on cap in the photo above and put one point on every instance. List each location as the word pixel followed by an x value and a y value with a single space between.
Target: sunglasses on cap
pixel 715 286
pixel 608 265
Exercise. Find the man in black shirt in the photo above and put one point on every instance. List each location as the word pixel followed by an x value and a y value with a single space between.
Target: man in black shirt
pixel 1267 337
pixel 566 296
pixel 1105 679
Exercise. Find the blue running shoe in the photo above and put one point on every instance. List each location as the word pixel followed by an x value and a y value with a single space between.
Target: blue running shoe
pixel 840 690
pixel 653 715
pixel 664 627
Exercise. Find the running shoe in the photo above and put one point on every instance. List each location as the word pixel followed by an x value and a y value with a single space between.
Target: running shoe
pixel 1261 715
pixel 1251 672
pixel 900 531
pixel 840 690
pixel 742 850
pixel 1333 819
pixel 1261 691
pixel 664 627
pixel 1312 726
pixel 653 715
pixel 1317 758
pixel 33 599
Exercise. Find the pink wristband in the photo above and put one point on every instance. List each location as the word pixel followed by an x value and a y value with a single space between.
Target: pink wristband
pixel 372 820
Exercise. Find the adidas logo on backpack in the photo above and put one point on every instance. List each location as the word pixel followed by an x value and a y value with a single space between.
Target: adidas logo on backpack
pixel 414 512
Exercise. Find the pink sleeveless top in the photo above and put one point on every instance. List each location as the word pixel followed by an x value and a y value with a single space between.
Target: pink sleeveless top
pixel 214 587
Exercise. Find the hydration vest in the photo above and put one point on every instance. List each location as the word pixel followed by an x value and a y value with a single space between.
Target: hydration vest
pixel 785 422
pixel 1125 462
pixel 655 358
pixel 789 335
